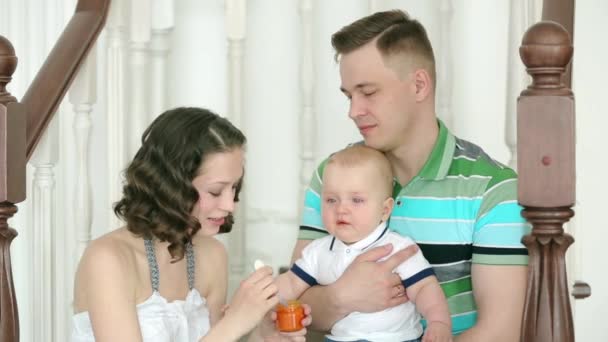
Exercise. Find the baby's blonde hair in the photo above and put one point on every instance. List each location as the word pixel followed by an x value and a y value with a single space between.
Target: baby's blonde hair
pixel 358 155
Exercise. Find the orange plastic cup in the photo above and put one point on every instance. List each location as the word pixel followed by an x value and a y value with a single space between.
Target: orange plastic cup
pixel 290 316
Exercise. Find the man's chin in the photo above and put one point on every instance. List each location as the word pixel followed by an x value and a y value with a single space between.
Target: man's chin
pixel 368 142
pixel 374 144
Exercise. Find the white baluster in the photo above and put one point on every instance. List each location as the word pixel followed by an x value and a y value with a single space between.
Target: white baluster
pixel 307 117
pixel 162 25
pixel 44 29
pixel 373 5
pixel 236 23
pixel 48 321
pixel 42 202
pixel 140 24
pixel 116 104
pixel 34 48
pixel 236 14
pixel 444 65
pixel 83 94
pixel 43 235
pixel 58 13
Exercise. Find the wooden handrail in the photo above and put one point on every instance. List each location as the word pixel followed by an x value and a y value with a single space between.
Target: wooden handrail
pixel 22 125
pixel 58 71
pixel 562 12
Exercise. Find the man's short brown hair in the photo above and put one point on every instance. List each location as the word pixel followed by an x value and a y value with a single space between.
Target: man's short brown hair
pixel 395 33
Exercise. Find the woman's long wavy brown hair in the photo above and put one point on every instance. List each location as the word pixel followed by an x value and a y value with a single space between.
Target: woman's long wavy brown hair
pixel 158 195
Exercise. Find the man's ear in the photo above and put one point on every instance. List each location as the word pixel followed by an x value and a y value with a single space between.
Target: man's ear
pixel 424 84
pixel 387 208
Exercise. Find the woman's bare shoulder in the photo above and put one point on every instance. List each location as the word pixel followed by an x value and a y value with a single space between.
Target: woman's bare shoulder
pixel 116 246
pixel 111 255
pixel 107 262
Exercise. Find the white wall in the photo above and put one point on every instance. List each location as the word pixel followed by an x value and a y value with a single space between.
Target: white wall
pixel 590 72
pixel 273 103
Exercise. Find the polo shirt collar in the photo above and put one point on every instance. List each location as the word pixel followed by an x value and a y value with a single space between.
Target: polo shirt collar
pixel 377 234
pixel 440 159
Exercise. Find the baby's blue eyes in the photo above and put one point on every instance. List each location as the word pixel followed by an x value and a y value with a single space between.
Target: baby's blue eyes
pixel 356 200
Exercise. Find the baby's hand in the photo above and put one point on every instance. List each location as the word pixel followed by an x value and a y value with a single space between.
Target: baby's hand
pixel 437 332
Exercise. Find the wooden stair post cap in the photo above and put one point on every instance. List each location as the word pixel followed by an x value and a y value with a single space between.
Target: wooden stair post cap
pixel 546 44
pixel 8 64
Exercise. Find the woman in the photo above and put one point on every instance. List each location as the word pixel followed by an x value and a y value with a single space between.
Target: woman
pixel 163 277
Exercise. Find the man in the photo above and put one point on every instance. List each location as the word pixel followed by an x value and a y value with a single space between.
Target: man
pixel 458 204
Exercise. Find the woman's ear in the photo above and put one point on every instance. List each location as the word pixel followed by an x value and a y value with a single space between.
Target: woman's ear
pixel 387 208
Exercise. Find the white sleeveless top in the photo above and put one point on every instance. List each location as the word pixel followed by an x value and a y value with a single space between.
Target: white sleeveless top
pixel 160 321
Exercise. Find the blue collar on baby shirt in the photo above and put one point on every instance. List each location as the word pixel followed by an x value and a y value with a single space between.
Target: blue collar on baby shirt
pixel 361 245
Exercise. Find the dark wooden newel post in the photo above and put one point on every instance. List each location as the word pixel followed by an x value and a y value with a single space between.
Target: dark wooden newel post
pixel 546 190
pixel 12 187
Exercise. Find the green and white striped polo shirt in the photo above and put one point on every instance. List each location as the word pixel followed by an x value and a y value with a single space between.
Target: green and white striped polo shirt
pixel 461 209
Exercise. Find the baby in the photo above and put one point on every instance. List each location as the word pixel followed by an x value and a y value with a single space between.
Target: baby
pixel 356 204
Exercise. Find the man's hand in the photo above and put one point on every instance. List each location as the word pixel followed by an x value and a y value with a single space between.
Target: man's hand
pixel 369 285
pixel 366 286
